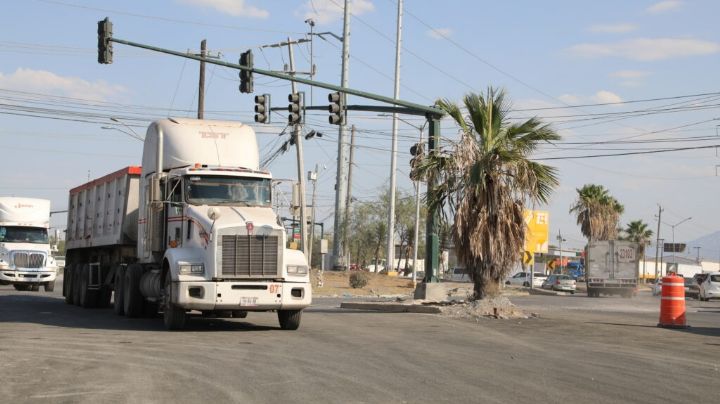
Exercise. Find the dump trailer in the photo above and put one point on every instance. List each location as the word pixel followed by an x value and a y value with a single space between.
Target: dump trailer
pixel 612 268
pixel 25 260
pixel 192 229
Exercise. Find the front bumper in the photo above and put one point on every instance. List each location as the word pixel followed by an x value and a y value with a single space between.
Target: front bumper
pixel 27 276
pixel 246 296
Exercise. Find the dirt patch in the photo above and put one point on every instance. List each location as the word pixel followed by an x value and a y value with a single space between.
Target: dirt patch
pixel 336 283
pixel 496 307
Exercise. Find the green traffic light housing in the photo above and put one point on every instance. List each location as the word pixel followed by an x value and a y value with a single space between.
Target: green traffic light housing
pixel 262 108
pixel 336 108
pixel 295 108
pixel 246 76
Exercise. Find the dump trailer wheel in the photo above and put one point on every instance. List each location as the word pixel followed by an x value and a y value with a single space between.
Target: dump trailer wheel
pixel 68 282
pixel 174 317
pixel 133 300
pixel 88 297
pixel 76 287
pixel 289 319
pixel 118 301
pixel 49 286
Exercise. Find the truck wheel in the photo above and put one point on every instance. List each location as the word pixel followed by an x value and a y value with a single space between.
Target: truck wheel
pixel 526 284
pixel 103 297
pixel 174 317
pixel 67 283
pixel 49 286
pixel 88 297
pixel 239 313
pixel 289 319
pixel 118 302
pixel 133 300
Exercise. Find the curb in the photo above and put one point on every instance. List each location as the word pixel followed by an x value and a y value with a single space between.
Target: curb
pixel 391 307
pixel 536 291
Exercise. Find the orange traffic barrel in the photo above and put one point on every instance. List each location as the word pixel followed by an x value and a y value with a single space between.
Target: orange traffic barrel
pixel 672 303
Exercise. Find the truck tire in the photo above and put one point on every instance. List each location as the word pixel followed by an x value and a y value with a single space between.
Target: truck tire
pixel 88 297
pixel 77 277
pixel 103 297
pixel 133 300
pixel 67 283
pixel 239 313
pixel 49 286
pixel 118 301
pixel 174 317
pixel 289 319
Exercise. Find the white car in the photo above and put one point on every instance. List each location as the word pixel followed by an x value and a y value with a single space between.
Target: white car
pixel 523 279
pixel 710 288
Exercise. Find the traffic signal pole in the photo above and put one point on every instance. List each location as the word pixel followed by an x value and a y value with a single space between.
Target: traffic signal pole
pixel 432 114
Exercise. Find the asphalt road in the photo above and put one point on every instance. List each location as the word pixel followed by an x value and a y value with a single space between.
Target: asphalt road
pixel 579 350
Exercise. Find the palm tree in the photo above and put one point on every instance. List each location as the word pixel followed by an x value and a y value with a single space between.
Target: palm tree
pixel 639 232
pixel 485 183
pixel 598 213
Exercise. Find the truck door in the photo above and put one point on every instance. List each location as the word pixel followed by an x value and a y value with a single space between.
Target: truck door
pixel 174 213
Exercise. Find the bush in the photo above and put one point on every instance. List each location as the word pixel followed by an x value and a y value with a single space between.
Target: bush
pixel 359 279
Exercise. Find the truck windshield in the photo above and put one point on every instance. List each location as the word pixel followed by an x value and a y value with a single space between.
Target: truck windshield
pixel 21 234
pixel 236 191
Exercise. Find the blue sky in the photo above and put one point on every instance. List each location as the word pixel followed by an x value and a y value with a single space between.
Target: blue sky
pixel 546 54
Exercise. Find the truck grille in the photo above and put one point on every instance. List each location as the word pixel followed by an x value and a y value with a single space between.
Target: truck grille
pixel 28 260
pixel 249 256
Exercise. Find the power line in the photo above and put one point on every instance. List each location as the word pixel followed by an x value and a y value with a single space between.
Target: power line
pixel 629 153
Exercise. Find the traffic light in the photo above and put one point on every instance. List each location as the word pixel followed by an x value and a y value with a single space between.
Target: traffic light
pixel 418 153
pixel 295 108
pixel 105 46
pixel 246 76
pixel 336 108
pixel 262 108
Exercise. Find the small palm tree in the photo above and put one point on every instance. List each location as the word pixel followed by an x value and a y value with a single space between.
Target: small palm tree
pixel 639 232
pixel 598 213
pixel 485 183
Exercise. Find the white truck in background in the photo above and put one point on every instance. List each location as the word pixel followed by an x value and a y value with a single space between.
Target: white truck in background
pixel 612 268
pixel 25 260
pixel 192 230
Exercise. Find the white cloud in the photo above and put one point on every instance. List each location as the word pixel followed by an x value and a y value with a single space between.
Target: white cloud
pixel 42 81
pixel 630 74
pixel 439 33
pixel 236 8
pixel 647 49
pixel 326 11
pixel 569 99
pixel 604 96
pixel 613 28
pixel 663 6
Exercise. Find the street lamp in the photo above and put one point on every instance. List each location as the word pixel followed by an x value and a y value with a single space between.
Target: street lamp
pixel 560 240
pixel 673 226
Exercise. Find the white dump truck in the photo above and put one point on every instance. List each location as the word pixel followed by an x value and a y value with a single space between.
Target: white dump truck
pixel 25 260
pixel 193 229
pixel 612 268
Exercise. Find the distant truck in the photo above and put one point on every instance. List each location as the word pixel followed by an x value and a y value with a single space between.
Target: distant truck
pixel 192 229
pixel 612 268
pixel 25 260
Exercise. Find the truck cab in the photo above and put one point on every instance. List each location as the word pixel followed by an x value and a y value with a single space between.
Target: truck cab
pixel 25 259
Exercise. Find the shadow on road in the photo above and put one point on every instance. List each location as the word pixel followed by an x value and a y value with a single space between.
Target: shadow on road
pixel 52 311
pixel 706 331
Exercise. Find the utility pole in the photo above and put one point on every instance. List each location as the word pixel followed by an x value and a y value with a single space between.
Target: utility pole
pixel 560 241
pixel 341 184
pixel 312 176
pixel 657 244
pixel 393 152
pixel 348 212
pixel 201 84
pixel 698 254
pixel 300 163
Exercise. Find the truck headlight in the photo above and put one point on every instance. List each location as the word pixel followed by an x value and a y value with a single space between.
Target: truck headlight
pixel 297 269
pixel 195 269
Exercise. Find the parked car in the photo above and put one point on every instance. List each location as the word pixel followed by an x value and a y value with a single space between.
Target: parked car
pixel 710 288
pixel 523 279
pixel 457 274
pixel 564 283
pixel 692 289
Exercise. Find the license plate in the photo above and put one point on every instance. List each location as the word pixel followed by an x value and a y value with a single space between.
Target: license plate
pixel 248 301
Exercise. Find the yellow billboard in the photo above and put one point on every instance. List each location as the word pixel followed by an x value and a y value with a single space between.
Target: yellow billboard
pixel 537 233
